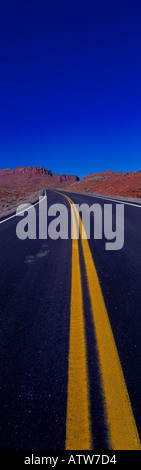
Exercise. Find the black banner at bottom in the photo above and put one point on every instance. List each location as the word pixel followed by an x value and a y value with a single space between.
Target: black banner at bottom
pixel 52 459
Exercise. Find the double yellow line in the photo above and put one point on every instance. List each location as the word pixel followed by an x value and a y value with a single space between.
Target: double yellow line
pixel 78 434
pixel 122 430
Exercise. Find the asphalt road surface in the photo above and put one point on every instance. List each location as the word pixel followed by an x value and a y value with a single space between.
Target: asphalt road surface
pixel 71 336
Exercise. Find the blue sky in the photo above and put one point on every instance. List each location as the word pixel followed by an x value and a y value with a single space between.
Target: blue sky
pixel 70 85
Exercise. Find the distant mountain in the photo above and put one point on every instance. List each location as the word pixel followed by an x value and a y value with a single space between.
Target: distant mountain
pixel 107 182
pixel 29 173
pixel 66 178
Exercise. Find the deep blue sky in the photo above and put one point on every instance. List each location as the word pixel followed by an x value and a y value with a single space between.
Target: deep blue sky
pixel 70 85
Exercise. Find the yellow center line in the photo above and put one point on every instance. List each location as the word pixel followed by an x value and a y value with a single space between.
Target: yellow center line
pixel 78 422
pixel 78 433
pixel 123 434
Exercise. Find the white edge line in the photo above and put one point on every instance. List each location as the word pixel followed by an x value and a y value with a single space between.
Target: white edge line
pixel 117 200
pixel 109 199
pixel 21 212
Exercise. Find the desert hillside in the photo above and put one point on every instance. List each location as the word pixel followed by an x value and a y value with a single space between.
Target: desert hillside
pixel 25 184
pixel 111 183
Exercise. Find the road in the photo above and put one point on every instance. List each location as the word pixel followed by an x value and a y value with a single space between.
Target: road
pixel 70 337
